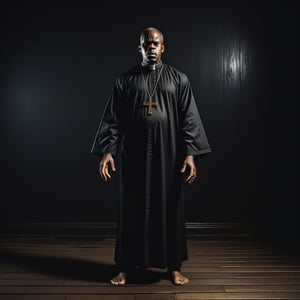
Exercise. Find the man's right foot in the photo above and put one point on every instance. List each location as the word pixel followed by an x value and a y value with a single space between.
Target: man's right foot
pixel 120 279
pixel 179 278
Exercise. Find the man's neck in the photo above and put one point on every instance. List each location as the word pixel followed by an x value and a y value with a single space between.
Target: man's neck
pixel 152 67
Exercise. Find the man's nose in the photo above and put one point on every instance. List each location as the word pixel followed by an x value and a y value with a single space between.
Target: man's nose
pixel 151 45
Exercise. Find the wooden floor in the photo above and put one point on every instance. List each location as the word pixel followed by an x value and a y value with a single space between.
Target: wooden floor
pixel 72 268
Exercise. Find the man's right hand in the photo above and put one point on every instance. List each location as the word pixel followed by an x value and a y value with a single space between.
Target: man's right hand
pixel 106 162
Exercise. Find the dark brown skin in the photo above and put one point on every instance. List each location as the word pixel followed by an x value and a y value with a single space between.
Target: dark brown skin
pixel 151 47
pixel 106 162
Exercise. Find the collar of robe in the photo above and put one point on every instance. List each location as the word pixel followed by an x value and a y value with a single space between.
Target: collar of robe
pixel 151 67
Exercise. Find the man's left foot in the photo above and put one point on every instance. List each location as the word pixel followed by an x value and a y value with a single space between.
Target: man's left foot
pixel 119 280
pixel 179 279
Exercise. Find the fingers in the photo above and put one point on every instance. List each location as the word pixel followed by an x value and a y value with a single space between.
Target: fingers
pixel 192 175
pixel 103 168
pixel 183 168
pixel 113 165
pixel 104 172
pixel 189 162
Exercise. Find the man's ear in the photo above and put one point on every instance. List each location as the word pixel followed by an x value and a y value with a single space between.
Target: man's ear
pixel 162 48
pixel 139 48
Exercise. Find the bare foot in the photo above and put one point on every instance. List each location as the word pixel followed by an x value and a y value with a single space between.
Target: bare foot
pixel 120 279
pixel 179 279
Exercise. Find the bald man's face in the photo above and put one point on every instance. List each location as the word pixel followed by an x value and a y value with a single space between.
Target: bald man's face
pixel 151 47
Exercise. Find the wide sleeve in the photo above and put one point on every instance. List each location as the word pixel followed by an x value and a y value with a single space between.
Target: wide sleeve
pixel 193 132
pixel 109 133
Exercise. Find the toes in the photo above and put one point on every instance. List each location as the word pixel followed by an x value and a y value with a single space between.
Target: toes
pixel 115 280
pixel 180 280
pixel 118 281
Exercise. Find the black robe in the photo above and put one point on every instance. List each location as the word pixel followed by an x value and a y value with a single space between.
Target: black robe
pixel 151 223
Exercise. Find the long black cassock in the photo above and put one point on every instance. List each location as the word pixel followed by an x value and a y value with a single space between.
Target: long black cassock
pixel 151 223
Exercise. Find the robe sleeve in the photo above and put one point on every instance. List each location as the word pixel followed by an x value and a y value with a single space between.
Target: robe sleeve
pixel 109 134
pixel 194 135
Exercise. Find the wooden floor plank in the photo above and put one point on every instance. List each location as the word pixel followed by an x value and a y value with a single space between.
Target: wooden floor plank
pixel 239 270
pixel 262 288
pixel 228 275
pixel 101 297
pixel 30 282
pixel 33 297
pixel 27 276
pixel 245 281
pixel 240 296
pixel 155 297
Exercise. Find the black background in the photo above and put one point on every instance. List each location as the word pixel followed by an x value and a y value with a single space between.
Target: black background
pixel 59 61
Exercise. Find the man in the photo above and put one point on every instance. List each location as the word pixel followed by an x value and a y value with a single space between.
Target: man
pixel 152 117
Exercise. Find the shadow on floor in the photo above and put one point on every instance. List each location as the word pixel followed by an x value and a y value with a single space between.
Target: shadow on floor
pixel 75 268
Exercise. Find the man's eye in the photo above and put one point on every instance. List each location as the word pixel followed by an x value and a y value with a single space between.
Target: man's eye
pixel 148 44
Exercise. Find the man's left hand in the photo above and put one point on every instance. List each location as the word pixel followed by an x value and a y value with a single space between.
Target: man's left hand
pixel 189 161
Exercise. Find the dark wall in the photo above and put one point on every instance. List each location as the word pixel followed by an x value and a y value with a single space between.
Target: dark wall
pixel 58 65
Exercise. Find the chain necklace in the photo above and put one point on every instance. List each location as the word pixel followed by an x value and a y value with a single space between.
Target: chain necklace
pixel 150 103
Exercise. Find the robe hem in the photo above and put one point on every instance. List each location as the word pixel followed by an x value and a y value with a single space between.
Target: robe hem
pixel 159 266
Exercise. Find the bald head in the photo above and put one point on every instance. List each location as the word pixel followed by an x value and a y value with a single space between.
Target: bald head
pixel 152 30
pixel 151 45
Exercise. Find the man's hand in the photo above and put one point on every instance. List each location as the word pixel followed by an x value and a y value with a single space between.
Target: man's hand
pixel 189 161
pixel 106 162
